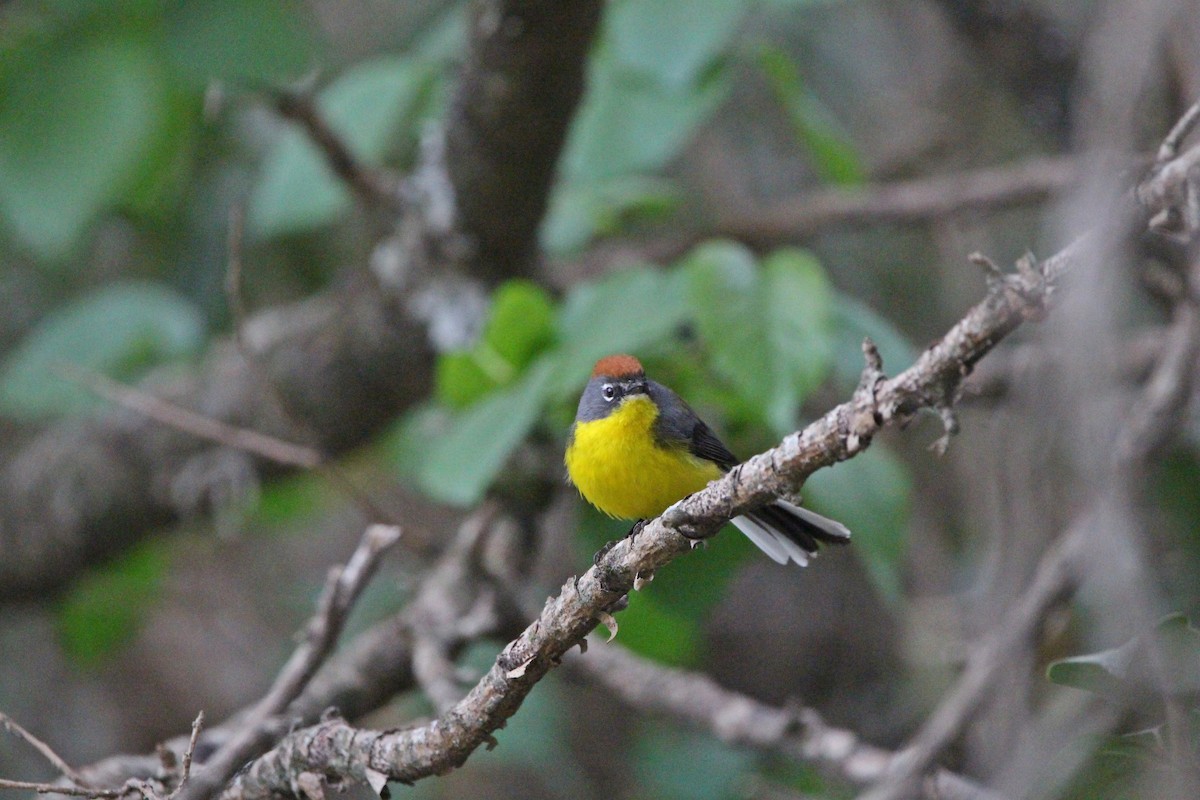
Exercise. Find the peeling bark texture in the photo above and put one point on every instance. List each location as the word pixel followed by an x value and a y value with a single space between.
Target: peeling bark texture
pixel 347 361
pixel 527 54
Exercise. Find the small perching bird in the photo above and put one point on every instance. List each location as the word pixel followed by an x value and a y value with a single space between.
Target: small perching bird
pixel 636 448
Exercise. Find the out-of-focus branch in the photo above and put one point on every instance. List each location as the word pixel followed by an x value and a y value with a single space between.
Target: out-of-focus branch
pixel 348 360
pixel 262 445
pixel 73 784
pixel 798 734
pixel 380 662
pixel 1055 576
pixel 528 57
pixel 913 200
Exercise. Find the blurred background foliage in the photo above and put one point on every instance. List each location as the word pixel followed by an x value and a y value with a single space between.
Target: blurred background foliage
pixel 130 128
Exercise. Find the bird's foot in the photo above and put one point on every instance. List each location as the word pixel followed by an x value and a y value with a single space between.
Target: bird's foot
pixel 636 529
pixel 633 532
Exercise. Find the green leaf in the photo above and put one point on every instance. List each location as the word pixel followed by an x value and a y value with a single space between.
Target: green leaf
pixel 1164 659
pixel 629 123
pixel 79 117
pixel 769 332
pixel 624 312
pixel 520 322
pixel 105 608
pixel 871 494
pixel 462 464
pixel 672 40
pixel 853 320
pixel 833 156
pixel 1101 673
pixel 121 330
pixel 249 42
pixel 410 439
pixel 459 380
pixel 369 107
pixel 583 210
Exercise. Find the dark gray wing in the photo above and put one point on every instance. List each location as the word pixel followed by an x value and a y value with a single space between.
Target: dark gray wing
pixel 678 425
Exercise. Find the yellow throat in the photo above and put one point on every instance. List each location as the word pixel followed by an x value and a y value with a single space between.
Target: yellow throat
pixel 621 469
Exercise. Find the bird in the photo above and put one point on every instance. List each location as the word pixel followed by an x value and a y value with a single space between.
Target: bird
pixel 636 448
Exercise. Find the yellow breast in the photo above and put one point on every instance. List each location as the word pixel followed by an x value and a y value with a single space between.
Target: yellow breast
pixel 619 468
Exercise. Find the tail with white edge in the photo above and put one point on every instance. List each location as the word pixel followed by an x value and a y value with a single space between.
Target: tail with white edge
pixel 785 531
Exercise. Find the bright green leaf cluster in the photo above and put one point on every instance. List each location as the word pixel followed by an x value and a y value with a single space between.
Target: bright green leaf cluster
pixel 767 327
pixel 520 324
pixel 120 330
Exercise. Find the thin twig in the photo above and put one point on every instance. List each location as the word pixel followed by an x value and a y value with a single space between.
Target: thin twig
pixel 185 772
pixel 913 200
pixel 333 608
pixel 54 788
pixel 56 761
pixel 214 430
pixel 1169 148
pixel 369 184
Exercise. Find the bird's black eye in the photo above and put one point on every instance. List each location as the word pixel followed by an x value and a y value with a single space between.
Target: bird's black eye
pixel 609 391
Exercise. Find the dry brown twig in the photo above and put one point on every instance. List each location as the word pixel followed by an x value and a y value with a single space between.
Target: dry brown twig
pixel 337 599
pixel 77 786
pixel 912 200
pixel 181 419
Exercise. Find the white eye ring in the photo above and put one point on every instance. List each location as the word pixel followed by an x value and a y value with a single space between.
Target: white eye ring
pixel 609 392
